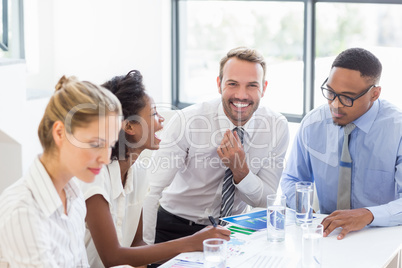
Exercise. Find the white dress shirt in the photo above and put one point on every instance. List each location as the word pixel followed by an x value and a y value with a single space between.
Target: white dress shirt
pixel 34 231
pixel 125 203
pixel 189 166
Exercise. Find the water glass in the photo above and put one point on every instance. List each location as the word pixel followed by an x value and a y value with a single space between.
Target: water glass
pixel 304 202
pixel 276 215
pixel 215 250
pixel 311 245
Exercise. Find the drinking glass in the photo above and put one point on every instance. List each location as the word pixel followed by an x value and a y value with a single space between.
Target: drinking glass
pixel 215 253
pixel 304 202
pixel 311 245
pixel 276 213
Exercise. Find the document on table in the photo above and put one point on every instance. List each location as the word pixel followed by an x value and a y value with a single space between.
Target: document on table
pixel 247 247
pixel 241 248
pixel 180 263
pixel 254 220
pixel 267 261
pixel 257 220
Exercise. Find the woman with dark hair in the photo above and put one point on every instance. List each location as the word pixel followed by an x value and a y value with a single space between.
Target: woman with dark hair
pixel 114 201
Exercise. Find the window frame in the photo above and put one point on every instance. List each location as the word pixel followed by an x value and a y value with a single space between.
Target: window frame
pixel 17 46
pixel 308 51
pixel 4 39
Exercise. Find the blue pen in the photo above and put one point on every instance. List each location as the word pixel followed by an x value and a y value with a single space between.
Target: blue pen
pixel 212 220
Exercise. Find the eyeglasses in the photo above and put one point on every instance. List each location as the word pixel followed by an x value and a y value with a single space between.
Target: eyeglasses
pixel 345 100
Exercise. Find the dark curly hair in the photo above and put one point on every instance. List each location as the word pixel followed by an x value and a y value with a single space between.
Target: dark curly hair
pixel 130 91
pixel 361 60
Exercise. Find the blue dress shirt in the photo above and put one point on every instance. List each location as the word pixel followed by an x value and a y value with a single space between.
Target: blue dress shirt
pixel 375 146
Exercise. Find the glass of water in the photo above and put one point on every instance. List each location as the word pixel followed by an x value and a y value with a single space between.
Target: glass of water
pixel 311 245
pixel 276 215
pixel 215 250
pixel 304 202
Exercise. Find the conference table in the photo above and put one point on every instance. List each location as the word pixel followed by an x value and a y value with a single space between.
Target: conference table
pixel 374 247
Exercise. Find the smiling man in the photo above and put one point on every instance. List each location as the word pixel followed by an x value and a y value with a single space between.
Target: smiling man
pixel 219 156
pixel 351 148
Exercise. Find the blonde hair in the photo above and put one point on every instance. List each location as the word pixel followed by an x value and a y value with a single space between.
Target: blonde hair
pixel 243 53
pixel 75 103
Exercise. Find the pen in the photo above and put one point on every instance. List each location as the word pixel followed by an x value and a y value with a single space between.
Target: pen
pixel 212 220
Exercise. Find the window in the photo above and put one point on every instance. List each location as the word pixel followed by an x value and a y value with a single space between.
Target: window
pixel 376 27
pixel 11 29
pixel 4 26
pixel 299 40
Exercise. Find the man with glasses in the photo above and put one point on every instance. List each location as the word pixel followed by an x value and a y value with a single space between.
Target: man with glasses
pixel 351 148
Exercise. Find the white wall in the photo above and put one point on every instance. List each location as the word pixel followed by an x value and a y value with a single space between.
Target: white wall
pixel 93 40
pixel 12 120
pixel 12 97
pixel 97 39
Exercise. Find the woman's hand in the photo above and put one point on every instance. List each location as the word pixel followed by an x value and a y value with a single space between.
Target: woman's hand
pixel 208 232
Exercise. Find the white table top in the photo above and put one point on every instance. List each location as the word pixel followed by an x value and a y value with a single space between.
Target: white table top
pixel 370 247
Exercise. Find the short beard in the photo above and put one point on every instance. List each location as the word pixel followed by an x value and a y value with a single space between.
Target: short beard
pixel 336 124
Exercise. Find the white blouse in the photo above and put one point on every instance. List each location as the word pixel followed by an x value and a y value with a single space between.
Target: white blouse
pixel 34 231
pixel 125 203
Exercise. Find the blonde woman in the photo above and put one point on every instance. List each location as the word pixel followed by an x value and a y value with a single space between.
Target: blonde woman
pixel 42 215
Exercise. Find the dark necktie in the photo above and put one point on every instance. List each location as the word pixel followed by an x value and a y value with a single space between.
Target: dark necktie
pixel 228 188
pixel 345 171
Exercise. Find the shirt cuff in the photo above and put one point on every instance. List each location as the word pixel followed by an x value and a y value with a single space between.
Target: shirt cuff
pixel 380 216
pixel 249 184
